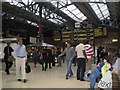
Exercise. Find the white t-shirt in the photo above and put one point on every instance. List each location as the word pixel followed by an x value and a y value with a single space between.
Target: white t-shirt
pixel 79 49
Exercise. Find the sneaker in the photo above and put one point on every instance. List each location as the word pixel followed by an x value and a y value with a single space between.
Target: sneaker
pixel 70 75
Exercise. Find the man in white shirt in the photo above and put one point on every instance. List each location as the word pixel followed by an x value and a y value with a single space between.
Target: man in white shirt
pixel 21 57
pixel 81 61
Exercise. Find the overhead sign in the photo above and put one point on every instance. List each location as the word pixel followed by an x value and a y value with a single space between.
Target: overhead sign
pixel 57 35
pixel 32 39
pixel 77 25
pixel 100 32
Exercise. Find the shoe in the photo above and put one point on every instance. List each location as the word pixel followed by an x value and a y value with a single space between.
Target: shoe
pixel 66 77
pixel 78 79
pixel 71 75
pixel 24 80
pixel 19 80
pixel 82 80
pixel 8 73
pixel 50 67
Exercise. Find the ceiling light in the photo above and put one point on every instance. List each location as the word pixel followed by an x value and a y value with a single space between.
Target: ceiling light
pixel 114 40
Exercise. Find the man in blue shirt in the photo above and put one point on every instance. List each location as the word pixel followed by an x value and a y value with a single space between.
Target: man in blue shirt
pixel 21 57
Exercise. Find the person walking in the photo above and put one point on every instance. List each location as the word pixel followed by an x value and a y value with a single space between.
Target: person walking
pixel 36 56
pixel 46 59
pixel 21 57
pixel 81 61
pixel 70 54
pixel 8 52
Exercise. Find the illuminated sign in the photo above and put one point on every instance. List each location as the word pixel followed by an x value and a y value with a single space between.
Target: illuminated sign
pixel 57 35
pixel 100 32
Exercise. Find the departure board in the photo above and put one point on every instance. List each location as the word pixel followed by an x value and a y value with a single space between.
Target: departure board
pixel 98 32
pixel 57 36
pixel 83 34
pixel 78 34
pixel 67 35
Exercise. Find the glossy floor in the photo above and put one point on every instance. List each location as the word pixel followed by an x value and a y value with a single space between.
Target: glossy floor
pixel 52 78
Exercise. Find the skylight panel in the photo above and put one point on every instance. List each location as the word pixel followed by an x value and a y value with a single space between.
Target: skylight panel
pixel 71 7
pixel 100 9
pixel 55 18
pixel 94 6
pixel 71 10
pixel 65 11
pixel 83 18
pixel 76 12
pixel 55 21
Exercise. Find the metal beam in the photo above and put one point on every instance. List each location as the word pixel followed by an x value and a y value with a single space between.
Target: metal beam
pixel 17 11
pixel 57 11
pixel 85 8
pixel 112 10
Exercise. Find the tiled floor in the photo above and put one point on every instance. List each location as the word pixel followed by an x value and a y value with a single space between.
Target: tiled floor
pixel 52 78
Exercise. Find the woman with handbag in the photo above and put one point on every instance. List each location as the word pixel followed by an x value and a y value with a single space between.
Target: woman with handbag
pixel 7 53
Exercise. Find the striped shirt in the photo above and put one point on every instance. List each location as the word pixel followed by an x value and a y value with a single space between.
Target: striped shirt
pixel 89 51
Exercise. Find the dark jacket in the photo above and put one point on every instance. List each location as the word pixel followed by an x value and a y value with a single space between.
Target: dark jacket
pixel 8 52
pixel 36 55
pixel 47 54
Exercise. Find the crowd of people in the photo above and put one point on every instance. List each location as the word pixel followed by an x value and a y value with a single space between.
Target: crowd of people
pixel 82 55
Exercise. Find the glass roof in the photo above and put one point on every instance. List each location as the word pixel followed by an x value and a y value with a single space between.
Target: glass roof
pixel 53 17
pixel 71 10
pixel 101 10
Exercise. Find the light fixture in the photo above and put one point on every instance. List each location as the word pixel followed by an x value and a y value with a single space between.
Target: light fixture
pixel 12 17
pixel 66 43
pixel 114 40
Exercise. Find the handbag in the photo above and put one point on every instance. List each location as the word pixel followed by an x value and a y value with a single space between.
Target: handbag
pixel 27 67
pixel 106 81
pixel 11 58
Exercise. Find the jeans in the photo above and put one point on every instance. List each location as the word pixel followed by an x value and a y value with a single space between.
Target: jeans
pixel 81 64
pixel 69 70
pixel 93 76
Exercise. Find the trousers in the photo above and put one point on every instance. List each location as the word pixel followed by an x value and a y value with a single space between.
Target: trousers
pixel 69 69
pixel 81 64
pixel 20 68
